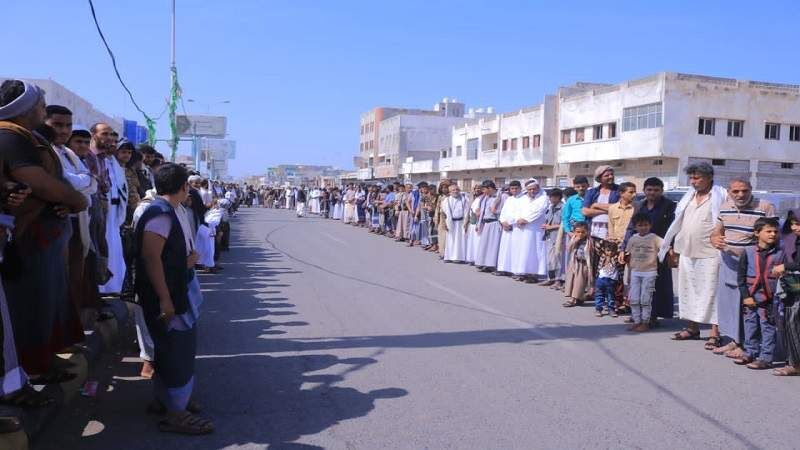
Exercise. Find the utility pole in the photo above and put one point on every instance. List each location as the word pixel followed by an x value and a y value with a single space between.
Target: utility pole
pixel 173 93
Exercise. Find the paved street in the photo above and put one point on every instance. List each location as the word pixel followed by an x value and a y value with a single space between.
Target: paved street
pixel 320 335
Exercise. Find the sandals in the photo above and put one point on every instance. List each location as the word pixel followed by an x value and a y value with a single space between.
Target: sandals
pixel 28 398
pixel 598 313
pixel 570 303
pixel 787 371
pixel 686 334
pixel 711 343
pixel 186 423
pixel 725 348
pixel 759 365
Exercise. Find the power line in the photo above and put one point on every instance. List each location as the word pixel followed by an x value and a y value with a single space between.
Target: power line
pixel 150 121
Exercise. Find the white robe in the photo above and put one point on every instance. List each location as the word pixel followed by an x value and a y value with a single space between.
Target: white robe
pixel 456 247
pixel 114 220
pixel 509 215
pixel 205 246
pixel 530 253
pixel 473 238
pixel 489 243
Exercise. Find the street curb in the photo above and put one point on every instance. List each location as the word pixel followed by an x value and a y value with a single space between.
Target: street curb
pixel 102 338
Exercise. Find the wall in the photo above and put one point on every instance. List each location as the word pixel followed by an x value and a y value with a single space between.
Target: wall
pixel 84 114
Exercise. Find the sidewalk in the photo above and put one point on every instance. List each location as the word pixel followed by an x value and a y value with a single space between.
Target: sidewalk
pixel 101 340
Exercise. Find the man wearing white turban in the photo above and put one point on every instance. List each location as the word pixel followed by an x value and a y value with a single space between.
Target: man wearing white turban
pixel 529 260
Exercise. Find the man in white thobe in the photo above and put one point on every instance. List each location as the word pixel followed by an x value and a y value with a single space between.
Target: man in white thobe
pixel 117 209
pixel 530 256
pixel 488 228
pixel 508 217
pixel 456 209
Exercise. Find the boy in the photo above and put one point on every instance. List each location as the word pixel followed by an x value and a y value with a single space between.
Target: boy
pixel 643 252
pixel 757 286
pixel 554 240
pixel 607 276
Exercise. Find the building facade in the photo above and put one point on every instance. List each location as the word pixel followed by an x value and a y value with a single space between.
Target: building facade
pixel 654 126
pixel 84 114
pixel 390 135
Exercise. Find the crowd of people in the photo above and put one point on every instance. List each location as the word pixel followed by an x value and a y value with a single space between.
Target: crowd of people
pixel 736 261
pixel 88 217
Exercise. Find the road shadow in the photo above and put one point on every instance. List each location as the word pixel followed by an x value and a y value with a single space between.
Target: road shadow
pixel 256 399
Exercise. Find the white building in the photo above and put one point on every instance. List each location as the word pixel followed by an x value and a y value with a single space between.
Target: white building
pixel 504 147
pixel 654 126
pixel 657 125
pixel 84 115
pixel 388 136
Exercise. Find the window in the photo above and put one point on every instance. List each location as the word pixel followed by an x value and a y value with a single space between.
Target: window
pixel 458 150
pixel 565 136
pixel 526 142
pixel 513 143
pixel 641 117
pixel 706 126
pixel 717 162
pixel 787 165
pixel 597 132
pixel 735 128
pixel 537 140
pixel 794 133
pixel 505 144
pixel 658 162
pixel 772 131
pixel 579 134
pixel 444 153
pixel 472 148
pixel 494 145
pixel 612 130
pixel 361 147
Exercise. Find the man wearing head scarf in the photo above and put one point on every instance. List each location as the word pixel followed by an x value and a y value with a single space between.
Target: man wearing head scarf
pixel 508 219
pixel 529 257
pixel 488 227
pixel 34 273
pixel 456 208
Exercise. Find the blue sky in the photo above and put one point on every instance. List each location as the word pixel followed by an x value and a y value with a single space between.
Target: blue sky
pixel 298 73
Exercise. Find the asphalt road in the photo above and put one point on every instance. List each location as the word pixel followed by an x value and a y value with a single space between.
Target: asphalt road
pixel 320 335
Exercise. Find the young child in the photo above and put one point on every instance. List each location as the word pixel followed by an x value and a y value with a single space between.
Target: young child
pixel 643 253
pixel 579 269
pixel 608 271
pixel 757 286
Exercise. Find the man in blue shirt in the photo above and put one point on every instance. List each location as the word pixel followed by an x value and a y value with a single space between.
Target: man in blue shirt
pixel 571 213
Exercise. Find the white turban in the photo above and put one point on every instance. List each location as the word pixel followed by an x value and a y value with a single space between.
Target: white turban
pixel 23 103
pixel 531 181
pixel 194 178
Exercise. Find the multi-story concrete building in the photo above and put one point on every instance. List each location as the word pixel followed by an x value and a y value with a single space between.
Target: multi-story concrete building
pixel 502 147
pixel 654 126
pixel 390 135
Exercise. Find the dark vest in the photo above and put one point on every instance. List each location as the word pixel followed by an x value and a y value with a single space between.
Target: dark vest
pixel 173 257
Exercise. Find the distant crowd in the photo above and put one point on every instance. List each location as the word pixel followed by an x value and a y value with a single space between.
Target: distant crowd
pixel 737 263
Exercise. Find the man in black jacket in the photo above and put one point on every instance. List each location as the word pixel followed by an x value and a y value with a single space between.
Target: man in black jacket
pixel 661 211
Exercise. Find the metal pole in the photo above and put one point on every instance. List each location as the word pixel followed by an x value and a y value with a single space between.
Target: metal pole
pixel 173 72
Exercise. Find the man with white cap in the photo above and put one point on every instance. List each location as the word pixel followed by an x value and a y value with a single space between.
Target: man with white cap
pixel 488 227
pixel 529 258
pixel 456 209
pixel 508 217
pixel 36 287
